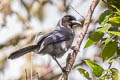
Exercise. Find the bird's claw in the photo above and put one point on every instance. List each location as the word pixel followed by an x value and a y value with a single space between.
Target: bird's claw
pixel 64 69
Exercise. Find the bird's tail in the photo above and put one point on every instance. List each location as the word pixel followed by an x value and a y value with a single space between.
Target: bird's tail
pixel 23 51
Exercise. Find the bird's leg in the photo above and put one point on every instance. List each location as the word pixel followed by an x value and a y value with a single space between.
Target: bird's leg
pixel 63 70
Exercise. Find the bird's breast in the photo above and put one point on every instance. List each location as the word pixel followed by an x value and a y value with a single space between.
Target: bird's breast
pixel 59 49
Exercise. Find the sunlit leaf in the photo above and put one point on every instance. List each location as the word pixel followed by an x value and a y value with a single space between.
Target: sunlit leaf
pixel 115 20
pixel 109 50
pixel 115 74
pixel 117 13
pixel 97 69
pixel 84 72
pixel 94 38
pixel 104 29
pixel 104 17
pixel 107 40
pixel 89 43
pixel 115 33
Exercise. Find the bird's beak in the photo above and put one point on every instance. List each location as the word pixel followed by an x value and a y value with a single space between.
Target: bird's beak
pixel 75 22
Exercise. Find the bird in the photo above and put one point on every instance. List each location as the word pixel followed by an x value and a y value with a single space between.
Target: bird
pixel 55 43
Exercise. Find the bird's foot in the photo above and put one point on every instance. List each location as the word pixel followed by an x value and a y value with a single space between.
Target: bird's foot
pixel 64 69
pixel 74 48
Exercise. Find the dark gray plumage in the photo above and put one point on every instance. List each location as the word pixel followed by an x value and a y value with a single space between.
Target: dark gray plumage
pixel 55 43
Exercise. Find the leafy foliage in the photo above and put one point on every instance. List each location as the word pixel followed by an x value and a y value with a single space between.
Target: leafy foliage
pixel 115 33
pixel 115 20
pixel 109 50
pixel 111 74
pixel 84 72
pixel 115 74
pixel 97 69
pixel 114 3
pixel 94 38
pixel 104 17
pixel 105 29
pixel 109 34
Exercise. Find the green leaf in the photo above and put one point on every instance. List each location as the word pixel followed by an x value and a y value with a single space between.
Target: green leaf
pixel 84 72
pixel 115 3
pixel 104 17
pixel 97 69
pixel 94 38
pixel 107 40
pixel 118 51
pixel 117 13
pixel 89 43
pixel 105 29
pixel 115 74
pixel 115 20
pixel 109 50
pixel 114 32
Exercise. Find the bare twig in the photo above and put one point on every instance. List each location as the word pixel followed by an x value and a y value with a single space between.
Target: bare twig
pixel 31 66
pixel 26 77
pixel 74 9
pixel 71 57
pixel 38 76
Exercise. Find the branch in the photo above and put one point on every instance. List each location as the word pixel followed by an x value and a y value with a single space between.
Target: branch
pixel 71 57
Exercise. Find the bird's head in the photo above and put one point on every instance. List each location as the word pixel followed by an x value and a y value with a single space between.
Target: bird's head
pixel 68 21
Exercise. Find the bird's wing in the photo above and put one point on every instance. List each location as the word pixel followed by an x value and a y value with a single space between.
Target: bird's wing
pixel 43 37
pixel 55 37
pixel 25 50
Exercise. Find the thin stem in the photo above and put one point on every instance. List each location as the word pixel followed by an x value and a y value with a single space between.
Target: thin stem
pixel 31 66
pixel 74 9
pixel 26 74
